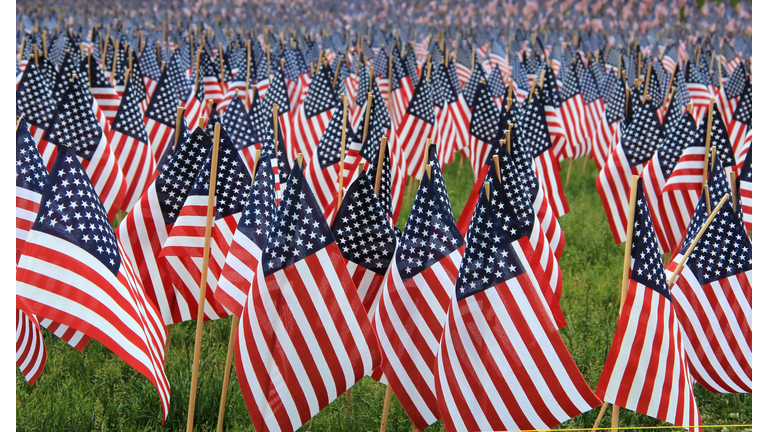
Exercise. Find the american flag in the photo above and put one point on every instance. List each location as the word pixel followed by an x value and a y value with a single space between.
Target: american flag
pixel 209 72
pixel 235 83
pixel 298 77
pixel 498 58
pixel 572 112
pixel 277 93
pixel 181 256
pixel 741 121
pixel 357 115
pixel 713 295
pixel 242 130
pixel 463 62
pixel 729 57
pixel 497 88
pixel 182 84
pixel 278 157
pixel 89 143
pixel 636 147
pixel 31 177
pixel 459 109
pixel 131 144
pixel 145 229
pixel 698 90
pixel 366 240
pixel 262 78
pixel 73 271
pixel 381 73
pixel 325 165
pixel 314 114
pixel 534 129
pixel 519 80
pixel 409 63
pixel 424 273
pixel 244 257
pixel 688 172
pixel 196 106
pixel 121 65
pixel 647 369
pixel 35 103
pixel 304 337
pixel 489 374
pixel 670 58
pixel 418 124
pixel 728 94
pixel 445 132
pixel 160 117
pixel 150 68
pixel 553 107
pixel 516 186
pixel 663 208
pixel 402 89
pixel 594 107
pixel 482 128
pixel 102 90
pixel 470 89
pixel 745 179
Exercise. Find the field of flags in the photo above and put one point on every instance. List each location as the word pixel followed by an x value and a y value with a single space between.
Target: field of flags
pixel 193 162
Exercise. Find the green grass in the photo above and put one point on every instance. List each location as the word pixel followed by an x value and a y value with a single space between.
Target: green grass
pixel 93 390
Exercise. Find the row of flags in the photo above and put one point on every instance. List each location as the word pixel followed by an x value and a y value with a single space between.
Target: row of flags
pixel 459 318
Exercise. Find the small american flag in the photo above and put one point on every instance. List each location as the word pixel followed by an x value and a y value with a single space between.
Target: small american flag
pixel 35 103
pixel 315 113
pixel 637 146
pixel 277 93
pixel 181 256
pixel 31 177
pixel 647 369
pixel 304 337
pixel 713 295
pixel 160 117
pixel 611 118
pixel 741 122
pixel 130 143
pixel 196 106
pixel 745 179
pixel 242 130
pixel 425 270
pixel 89 143
pixel 482 128
pixel 489 375
pixel 244 257
pixel 209 72
pixel 73 270
pixel 418 124
pixel 101 89
pixel 366 241
pixel 572 111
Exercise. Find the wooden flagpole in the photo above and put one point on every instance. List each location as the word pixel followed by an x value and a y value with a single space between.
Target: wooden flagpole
pixel 275 125
pixel 221 65
pixel 624 287
pixel 179 116
pixel 232 332
pixel 21 51
pixel 733 189
pixel 706 141
pixel 114 61
pixel 647 80
pixel 340 192
pixel 377 183
pixel 204 276
pixel 197 69
pixel 18 122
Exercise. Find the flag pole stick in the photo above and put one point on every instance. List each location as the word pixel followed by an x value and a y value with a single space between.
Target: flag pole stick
pixel 733 188
pixel 179 116
pixel 18 122
pixel 568 175
pixel 679 268
pixel 275 125
pixel 624 287
pixel 377 183
pixel 385 412
pixel 706 146
pixel 343 150
pixel 232 332
pixel 204 276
